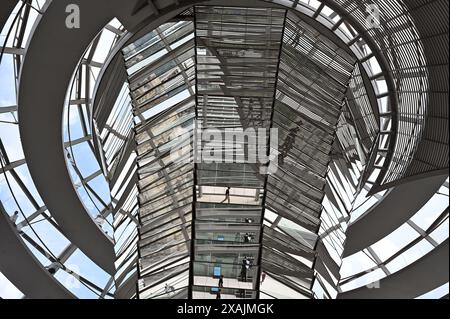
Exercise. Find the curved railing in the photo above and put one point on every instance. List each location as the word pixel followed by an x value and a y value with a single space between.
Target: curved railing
pixel 422 233
pixel 19 196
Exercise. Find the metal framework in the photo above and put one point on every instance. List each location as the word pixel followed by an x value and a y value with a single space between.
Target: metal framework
pixel 359 104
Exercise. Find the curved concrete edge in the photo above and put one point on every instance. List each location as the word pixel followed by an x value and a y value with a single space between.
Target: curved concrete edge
pixel 6 9
pixel 23 269
pixel 390 213
pixel 45 76
pixel 52 55
pixel 375 189
pixel 420 277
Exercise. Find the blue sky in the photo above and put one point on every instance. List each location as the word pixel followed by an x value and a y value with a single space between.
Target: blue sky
pixel 9 134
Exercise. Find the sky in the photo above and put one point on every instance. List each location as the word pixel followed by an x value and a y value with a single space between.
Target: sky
pixel 9 133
